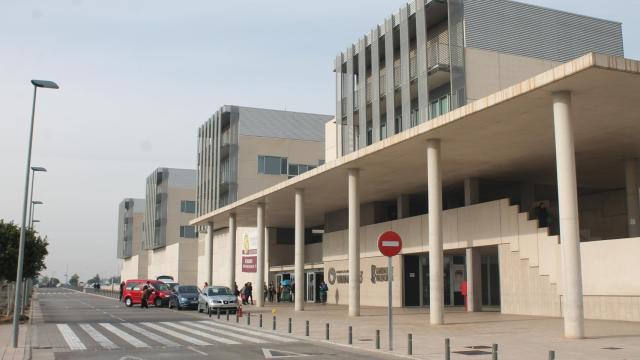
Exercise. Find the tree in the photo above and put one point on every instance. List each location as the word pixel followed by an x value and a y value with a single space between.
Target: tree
pixel 74 280
pixel 34 255
pixel 94 280
pixel 53 282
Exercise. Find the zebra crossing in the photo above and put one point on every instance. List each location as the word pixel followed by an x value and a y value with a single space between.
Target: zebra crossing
pixel 127 335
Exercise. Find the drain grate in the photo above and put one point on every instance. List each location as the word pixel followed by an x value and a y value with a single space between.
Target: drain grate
pixel 472 352
pixel 611 348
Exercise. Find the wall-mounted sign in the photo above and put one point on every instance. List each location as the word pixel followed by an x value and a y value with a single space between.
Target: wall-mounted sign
pixel 249 264
pixel 339 276
pixel 249 243
pixel 379 274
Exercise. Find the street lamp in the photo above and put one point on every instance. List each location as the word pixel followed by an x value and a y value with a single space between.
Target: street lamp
pixel 33 211
pixel 17 306
pixel 34 169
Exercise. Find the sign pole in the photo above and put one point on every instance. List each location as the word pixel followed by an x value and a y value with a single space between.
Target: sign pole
pixel 389 310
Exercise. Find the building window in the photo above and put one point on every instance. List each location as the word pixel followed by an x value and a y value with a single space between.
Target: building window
pixel 188 232
pixel 188 206
pixel 272 165
pixel 439 106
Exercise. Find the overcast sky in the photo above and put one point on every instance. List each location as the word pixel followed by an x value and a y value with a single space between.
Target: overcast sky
pixel 138 77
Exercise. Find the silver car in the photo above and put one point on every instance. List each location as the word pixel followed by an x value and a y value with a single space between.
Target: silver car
pixel 213 298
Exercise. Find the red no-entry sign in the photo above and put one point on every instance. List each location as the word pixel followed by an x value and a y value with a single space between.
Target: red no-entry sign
pixel 389 243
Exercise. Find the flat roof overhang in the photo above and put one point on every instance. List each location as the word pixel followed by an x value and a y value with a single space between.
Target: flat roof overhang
pixel 507 135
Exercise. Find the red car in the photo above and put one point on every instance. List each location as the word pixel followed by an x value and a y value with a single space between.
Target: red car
pixel 132 294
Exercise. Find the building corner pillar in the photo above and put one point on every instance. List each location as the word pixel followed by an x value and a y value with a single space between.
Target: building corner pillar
pixel 354 242
pixel 258 287
pixel 436 271
pixel 209 252
pixel 299 249
pixel 474 280
pixel 231 270
pixel 573 310
pixel 633 200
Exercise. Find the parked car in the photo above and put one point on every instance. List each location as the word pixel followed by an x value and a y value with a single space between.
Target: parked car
pixel 132 294
pixel 213 298
pixel 184 297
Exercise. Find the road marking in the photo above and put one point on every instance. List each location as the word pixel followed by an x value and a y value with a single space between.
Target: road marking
pixel 201 333
pixel 98 337
pixel 225 332
pixel 124 336
pixel 198 351
pixel 71 338
pixel 151 335
pixel 176 334
pixel 250 332
pixel 278 354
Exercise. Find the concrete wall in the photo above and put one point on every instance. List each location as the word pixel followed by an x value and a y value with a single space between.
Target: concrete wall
pixel 296 151
pixel 488 72
pixel 330 141
pixel 603 215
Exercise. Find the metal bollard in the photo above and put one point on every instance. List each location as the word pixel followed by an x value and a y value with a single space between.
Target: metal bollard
pixel 260 320
pixel 306 331
pixel 274 323
pixel 410 344
pixel 377 339
pixel 350 339
pixel 447 349
pixel 552 355
pixel 326 331
pixel 494 352
pixel 248 319
pixel 289 326
pixel 218 312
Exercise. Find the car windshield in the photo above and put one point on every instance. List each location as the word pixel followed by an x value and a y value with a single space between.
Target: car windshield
pixel 219 291
pixel 161 286
pixel 187 289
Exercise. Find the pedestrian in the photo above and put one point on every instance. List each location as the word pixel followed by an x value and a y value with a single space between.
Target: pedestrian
pixel 145 297
pixel 265 292
pixel 206 285
pixel 293 292
pixel 249 293
pixel 236 292
pixel 323 292
pixel 243 294
pixel 121 289
pixel 272 292
pixel 279 293
pixel 543 215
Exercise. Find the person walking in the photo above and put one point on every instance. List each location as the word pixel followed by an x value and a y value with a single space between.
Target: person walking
pixel 265 292
pixel 249 293
pixel 272 291
pixel 146 291
pixel 122 284
pixel 324 288
pixel 206 285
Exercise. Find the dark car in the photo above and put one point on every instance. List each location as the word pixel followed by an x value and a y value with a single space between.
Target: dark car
pixel 184 297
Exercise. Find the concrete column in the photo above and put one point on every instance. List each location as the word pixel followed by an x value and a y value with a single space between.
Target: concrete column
pixel 633 201
pixel 267 263
pixel 573 311
pixel 402 206
pixel 354 243
pixel 299 249
pixel 209 252
pixel 471 191
pixel 421 58
pixel 390 87
pixel 375 83
pixel 436 262
pixel 258 291
pixel 231 270
pixel 405 82
pixel 474 280
pixel 362 93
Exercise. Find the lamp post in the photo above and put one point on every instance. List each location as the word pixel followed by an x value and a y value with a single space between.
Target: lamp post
pixel 32 211
pixel 34 169
pixel 16 306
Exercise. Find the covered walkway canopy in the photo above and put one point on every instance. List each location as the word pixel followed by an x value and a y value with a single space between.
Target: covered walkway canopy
pixel 508 135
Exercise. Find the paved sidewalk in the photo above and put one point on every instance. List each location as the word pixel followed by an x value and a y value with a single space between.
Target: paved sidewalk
pixel 8 352
pixel 518 337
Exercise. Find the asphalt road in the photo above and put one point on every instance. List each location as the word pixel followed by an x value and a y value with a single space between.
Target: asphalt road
pixel 73 325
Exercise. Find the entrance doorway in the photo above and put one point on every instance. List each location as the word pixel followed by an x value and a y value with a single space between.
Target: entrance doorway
pixel 312 285
pixel 416 279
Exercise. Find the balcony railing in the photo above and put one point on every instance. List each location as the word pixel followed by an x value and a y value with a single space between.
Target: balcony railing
pixel 413 64
pixel 397 74
pixel 438 57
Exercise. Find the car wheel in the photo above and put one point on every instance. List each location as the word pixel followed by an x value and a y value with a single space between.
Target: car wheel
pixel 128 302
pixel 157 302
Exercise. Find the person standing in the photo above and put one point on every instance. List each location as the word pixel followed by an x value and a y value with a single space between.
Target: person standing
pixel 271 291
pixel 206 285
pixel 323 292
pixel 543 215
pixel 122 284
pixel 145 296
pixel 249 293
